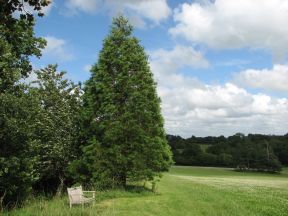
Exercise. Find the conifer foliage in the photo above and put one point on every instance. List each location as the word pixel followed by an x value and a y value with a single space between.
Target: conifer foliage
pixel 123 126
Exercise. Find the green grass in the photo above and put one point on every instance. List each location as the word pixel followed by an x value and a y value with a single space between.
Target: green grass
pixel 184 191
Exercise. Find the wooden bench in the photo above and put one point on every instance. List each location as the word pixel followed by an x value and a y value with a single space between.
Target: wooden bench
pixel 76 196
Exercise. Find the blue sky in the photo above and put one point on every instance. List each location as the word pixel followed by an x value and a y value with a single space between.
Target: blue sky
pixel 221 66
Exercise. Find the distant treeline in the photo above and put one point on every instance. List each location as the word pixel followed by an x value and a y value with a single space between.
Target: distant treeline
pixel 251 152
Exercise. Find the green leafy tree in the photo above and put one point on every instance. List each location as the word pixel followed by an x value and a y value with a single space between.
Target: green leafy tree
pixel 16 168
pixel 122 113
pixel 17 44
pixel 190 155
pixel 55 129
pixel 280 147
pixel 17 40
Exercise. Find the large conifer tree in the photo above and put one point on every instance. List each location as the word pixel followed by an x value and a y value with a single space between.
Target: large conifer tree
pixel 124 126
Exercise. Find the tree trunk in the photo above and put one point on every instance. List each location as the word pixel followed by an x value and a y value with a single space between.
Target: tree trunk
pixel 60 187
pixel 1 201
pixel 123 179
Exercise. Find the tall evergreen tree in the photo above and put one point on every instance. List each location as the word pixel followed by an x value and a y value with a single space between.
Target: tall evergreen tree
pixel 122 116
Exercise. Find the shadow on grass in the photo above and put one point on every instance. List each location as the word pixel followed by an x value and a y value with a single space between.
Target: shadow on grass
pixel 43 205
pixel 261 171
pixel 129 191
pixel 138 189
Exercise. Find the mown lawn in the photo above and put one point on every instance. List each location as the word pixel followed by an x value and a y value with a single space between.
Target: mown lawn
pixel 184 191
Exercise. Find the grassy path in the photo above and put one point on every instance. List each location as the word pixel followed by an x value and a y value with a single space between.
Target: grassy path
pixel 187 191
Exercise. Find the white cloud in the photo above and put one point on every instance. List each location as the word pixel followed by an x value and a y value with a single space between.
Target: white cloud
pixel 87 68
pixel 216 110
pixel 155 10
pixel 46 10
pixel 238 63
pixel 57 48
pixel 30 78
pixel 226 24
pixel 275 79
pixel 191 107
pixel 137 10
pixel 88 6
pixel 169 61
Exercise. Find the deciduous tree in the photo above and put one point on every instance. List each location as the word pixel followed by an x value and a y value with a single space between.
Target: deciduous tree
pixel 17 44
pixel 55 128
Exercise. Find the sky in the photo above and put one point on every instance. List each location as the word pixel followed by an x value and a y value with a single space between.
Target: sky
pixel 220 65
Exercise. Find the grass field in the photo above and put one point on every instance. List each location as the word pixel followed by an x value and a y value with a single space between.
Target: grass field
pixel 185 191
